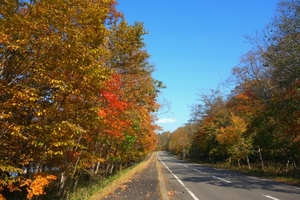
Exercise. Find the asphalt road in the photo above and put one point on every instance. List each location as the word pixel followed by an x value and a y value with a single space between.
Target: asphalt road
pixel 190 181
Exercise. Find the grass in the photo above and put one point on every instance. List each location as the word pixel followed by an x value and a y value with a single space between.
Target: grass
pixel 89 189
pixel 101 188
pixel 117 180
pixel 269 173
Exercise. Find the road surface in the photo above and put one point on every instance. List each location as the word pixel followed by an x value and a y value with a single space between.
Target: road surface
pixel 192 181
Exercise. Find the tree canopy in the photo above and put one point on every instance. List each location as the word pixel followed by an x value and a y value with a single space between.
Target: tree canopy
pixel 76 93
pixel 257 124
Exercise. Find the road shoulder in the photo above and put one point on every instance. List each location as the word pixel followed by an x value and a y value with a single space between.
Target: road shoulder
pixel 142 182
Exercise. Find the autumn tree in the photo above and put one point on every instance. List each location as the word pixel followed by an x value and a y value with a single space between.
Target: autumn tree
pixel 179 143
pixel 130 60
pixel 252 75
pixel 76 92
pixel 273 72
pixel 257 123
pixel 281 61
pixel 163 140
pixel 282 54
pixel 209 116
pixel 52 68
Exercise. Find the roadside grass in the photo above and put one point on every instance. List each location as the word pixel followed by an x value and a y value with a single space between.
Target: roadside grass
pixel 85 190
pixel 110 185
pixel 269 172
pixel 94 189
pixel 99 189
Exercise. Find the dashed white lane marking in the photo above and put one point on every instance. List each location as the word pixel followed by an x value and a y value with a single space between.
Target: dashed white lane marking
pixel 193 195
pixel 221 179
pixel 214 176
pixel 270 197
pixel 167 158
pixel 186 188
pixel 197 170
pixel 200 172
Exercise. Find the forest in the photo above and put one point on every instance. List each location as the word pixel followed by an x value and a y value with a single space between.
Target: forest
pixel 257 124
pixel 77 96
pixel 78 101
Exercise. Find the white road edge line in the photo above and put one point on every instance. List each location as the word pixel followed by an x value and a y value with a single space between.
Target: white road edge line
pixel 186 188
pixel 186 166
pixel 270 197
pixel 197 170
pixel 221 179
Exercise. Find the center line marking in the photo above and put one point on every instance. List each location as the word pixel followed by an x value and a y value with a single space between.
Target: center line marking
pixel 270 197
pixel 197 170
pixel 221 179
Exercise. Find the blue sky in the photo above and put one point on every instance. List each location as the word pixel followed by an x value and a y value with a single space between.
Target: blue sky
pixel 194 44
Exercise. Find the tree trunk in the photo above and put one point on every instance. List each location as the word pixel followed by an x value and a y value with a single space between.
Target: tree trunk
pixel 295 167
pixel 261 159
pixel 63 179
pixel 97 168
pixel 75 168
pixel 229 160
pixel 107 169
pixel 287 166
pixel 75 184
pixel 111 169
pixel 37 168
pixel 248 161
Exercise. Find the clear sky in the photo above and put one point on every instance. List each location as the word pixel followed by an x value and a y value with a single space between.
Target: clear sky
pixel 194 44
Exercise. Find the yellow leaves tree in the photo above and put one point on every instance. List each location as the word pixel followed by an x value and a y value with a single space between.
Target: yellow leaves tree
pixel 180 141
pixel 53 64
pixel 233 136
pixel 56 57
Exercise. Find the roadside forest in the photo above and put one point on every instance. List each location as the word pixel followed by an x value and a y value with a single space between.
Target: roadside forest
pixel 257 124
pixel 77 97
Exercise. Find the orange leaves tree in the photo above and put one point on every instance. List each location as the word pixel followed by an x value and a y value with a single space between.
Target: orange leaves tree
pixel 180 141
pixel 259 120
pixel 129 59
pixel 73 87
pixel 232 136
